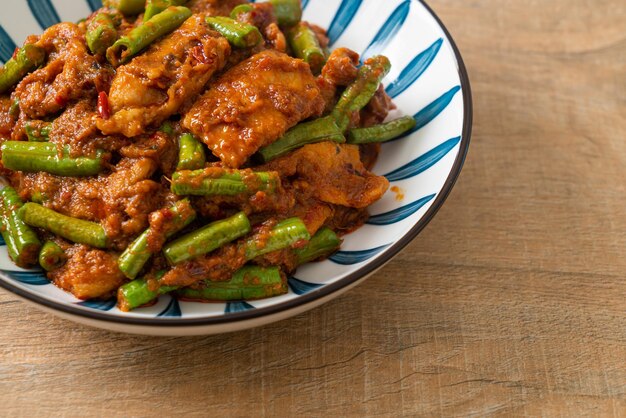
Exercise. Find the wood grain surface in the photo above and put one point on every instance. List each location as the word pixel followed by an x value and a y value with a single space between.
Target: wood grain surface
pixel 511 302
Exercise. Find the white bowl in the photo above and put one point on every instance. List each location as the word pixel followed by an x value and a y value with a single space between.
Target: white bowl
pixel 428 80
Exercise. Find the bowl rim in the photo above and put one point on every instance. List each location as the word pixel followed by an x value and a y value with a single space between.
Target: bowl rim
pixel 326 290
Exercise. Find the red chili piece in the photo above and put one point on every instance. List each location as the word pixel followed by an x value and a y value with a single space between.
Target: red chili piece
pixel 198 53
pixel 103 105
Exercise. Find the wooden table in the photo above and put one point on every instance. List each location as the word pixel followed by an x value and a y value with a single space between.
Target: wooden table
pixel 512 301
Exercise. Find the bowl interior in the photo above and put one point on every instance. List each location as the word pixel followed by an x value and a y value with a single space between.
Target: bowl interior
pixel 427 80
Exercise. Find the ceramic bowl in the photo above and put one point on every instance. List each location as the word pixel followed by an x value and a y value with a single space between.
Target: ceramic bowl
pixel 428 80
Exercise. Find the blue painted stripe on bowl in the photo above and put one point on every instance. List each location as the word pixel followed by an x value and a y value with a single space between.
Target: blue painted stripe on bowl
pixel 414 70
pixel 172 309
pixel 101 305
pixel 388 30
pixel 35 278
pixel 347 258
pixel 94 4
pixel 430 112
pixel 400 214
pixel 423 162
pixel 300 287
pixel 346 12
pixel 7 46
pixel 44 12
pixel 234 307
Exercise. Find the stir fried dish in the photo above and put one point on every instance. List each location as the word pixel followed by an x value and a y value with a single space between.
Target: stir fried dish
pixel 202 148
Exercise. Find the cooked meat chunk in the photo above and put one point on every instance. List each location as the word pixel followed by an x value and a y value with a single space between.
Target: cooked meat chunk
pixel 121 201
pixel 341 68
pixel 334 173
pixel 88 273
pixel 253 104
pixel 70 74
pixel 76 127
pixel 157 83
pixel 214 7
pixel 339 71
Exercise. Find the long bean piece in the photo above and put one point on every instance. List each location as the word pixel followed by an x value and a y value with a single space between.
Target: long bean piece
pixel 138 253
pixel 241 9
pixel 27 59
pixel 75 230
pixel 51 256
pixel 324 243
pixel 288 12
pixel 207 239
pixel 137 293
pixel 360 92
pixel 102 31
pixel 38 132
pixel 42 156
pixel 323 129
pixel 146 33
pixel 154 7
pixel 213 181
pixel 305 45
pixel 382 133
pixel 284 235
pixel 191 155
pixel 22 242
pixel 248 283
pixel 126 7
pixel 240 35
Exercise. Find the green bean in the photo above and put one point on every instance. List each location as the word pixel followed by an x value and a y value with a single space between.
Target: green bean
pixel 22 242
pixel 360 92
pixel 137 293
pixel 51 256
pixel 27 59
pixel 240 35
pixel 242 8
pixel 305 45
pixel 213 181
pixel 285 234
pixel 38 132
pixel 167 128
pixel 207 239
pixel 41 156
pixel 138 253
pixel 146 33
pixel 126 7
pixel 248 283
pixel 154 7
pixel 75 230
pixel 191 154
pixel 323 129
pixel 14 110
pixel 288 12
pixel 324 243
pixel 102 31
pixel 382 133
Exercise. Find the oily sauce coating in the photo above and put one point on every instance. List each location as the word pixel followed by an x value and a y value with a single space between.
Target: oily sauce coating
pixel 214 7
pixel 157 83
pixel 7 120
pixel 253 104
